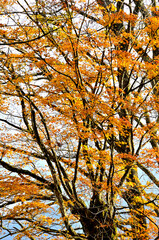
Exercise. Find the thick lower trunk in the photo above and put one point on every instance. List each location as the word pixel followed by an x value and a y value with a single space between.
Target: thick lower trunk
pixel 102 234
pixel 98 220
pixel 94 232
pixel 98 226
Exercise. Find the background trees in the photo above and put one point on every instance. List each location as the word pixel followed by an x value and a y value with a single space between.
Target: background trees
pixel 79 119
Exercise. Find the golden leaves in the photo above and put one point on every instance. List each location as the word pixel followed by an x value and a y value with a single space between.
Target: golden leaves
pixel 79 89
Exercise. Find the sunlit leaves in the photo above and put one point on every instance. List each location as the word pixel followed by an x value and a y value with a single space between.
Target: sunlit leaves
pixel 79 119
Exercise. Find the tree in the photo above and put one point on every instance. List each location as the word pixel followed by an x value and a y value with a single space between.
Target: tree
pixel 79 119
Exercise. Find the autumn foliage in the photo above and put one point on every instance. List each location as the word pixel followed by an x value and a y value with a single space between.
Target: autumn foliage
pixel 79 119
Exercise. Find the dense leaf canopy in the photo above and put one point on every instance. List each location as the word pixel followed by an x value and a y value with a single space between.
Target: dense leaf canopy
pixel 79 119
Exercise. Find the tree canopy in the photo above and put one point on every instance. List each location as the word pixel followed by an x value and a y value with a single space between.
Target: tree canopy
pixel 79 119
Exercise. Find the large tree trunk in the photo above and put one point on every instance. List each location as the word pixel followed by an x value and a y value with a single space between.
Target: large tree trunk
pixel 95 230
pixel 98 220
